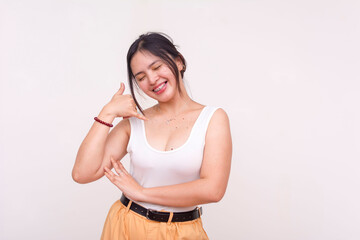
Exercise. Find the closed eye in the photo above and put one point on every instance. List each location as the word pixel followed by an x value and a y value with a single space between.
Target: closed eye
pixel 157 67
pixel 141 78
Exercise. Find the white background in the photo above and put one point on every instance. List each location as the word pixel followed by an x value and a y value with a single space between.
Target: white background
pixel 286 72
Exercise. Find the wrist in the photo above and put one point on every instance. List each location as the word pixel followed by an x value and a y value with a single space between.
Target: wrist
pixel 106 117
pixel 143 195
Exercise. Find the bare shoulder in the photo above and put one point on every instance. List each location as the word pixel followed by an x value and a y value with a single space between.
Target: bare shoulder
pixel 219 119
pixel 219 126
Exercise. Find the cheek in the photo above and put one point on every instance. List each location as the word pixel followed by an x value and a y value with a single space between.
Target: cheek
pixel 143 86
pixel 168 74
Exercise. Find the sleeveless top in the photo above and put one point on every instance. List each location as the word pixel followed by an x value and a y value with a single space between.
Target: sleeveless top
pixel 154 168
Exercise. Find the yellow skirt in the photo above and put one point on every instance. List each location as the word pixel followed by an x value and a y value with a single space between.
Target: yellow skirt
pixel 121 223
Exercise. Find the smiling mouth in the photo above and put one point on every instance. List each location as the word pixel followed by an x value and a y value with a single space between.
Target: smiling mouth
pixel 160 87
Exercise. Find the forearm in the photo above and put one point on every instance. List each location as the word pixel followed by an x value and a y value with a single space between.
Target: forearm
pixel 91 152
pixel 192 193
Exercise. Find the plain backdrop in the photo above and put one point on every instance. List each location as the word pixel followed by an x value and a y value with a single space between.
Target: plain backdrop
pixel 286 72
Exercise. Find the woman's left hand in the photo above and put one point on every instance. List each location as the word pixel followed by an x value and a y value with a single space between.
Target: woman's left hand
pixel 124 181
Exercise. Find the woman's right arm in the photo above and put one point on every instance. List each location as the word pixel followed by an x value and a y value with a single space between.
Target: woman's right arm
pixel 97 147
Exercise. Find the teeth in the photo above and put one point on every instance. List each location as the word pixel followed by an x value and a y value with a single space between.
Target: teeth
pixel 159 88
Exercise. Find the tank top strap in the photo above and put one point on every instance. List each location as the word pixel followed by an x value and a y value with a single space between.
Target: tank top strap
pixel 203 122
pixel 136 134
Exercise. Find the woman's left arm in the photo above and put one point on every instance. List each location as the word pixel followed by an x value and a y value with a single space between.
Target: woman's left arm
pixel 214 173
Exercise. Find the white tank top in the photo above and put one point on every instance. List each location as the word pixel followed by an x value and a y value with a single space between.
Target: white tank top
pixel 154 168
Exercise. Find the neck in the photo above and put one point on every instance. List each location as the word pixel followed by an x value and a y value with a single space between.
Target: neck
pixel 177 105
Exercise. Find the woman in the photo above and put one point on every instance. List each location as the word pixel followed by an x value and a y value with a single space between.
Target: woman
pixel 180 150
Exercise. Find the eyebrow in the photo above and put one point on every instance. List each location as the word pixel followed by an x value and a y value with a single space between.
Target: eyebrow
pixel 148 67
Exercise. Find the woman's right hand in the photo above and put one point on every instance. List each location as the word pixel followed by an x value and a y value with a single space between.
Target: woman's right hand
pixel 122 105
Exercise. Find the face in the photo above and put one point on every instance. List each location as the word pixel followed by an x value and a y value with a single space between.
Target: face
pixel 153 76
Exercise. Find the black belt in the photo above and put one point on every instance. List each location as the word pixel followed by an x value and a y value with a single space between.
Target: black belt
pixel 162 216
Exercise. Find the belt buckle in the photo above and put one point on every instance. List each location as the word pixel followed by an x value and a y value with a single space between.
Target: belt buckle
pixel 199 209
pixel 148 210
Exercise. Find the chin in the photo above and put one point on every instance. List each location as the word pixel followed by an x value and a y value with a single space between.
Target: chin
pixel 164 97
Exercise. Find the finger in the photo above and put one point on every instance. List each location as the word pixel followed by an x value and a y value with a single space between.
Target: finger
pixel 116 166
pixel 138 115
pixel 122 168
pixel 109 177
pixel 122 89
pixel 107 170
pixel 109 174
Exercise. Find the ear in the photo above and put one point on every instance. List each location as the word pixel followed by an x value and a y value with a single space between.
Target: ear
pixel 179 63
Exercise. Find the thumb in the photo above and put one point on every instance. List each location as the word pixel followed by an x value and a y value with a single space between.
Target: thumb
pixel 122 89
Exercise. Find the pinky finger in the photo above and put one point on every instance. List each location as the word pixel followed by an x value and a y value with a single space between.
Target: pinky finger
pixel 122 168
pixel 138 115
pixel 108 176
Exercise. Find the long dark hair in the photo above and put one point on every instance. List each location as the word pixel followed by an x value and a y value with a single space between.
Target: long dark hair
pixel 160 45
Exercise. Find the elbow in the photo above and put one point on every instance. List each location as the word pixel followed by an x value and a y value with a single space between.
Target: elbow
pixel 85 177
pixel 213 190
pixel 216 196
pixel 78 178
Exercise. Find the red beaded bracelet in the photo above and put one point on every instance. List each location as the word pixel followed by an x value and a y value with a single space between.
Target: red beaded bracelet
pixel 105 123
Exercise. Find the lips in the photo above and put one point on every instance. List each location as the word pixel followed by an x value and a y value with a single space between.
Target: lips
pixel 160 87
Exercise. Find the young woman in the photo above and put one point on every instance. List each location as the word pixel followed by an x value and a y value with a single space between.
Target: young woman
pixel 180 150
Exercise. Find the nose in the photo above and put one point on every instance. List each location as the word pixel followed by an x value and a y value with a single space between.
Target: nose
pixel 153 77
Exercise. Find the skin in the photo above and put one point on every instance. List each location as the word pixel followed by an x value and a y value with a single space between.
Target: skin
pixel 150 71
